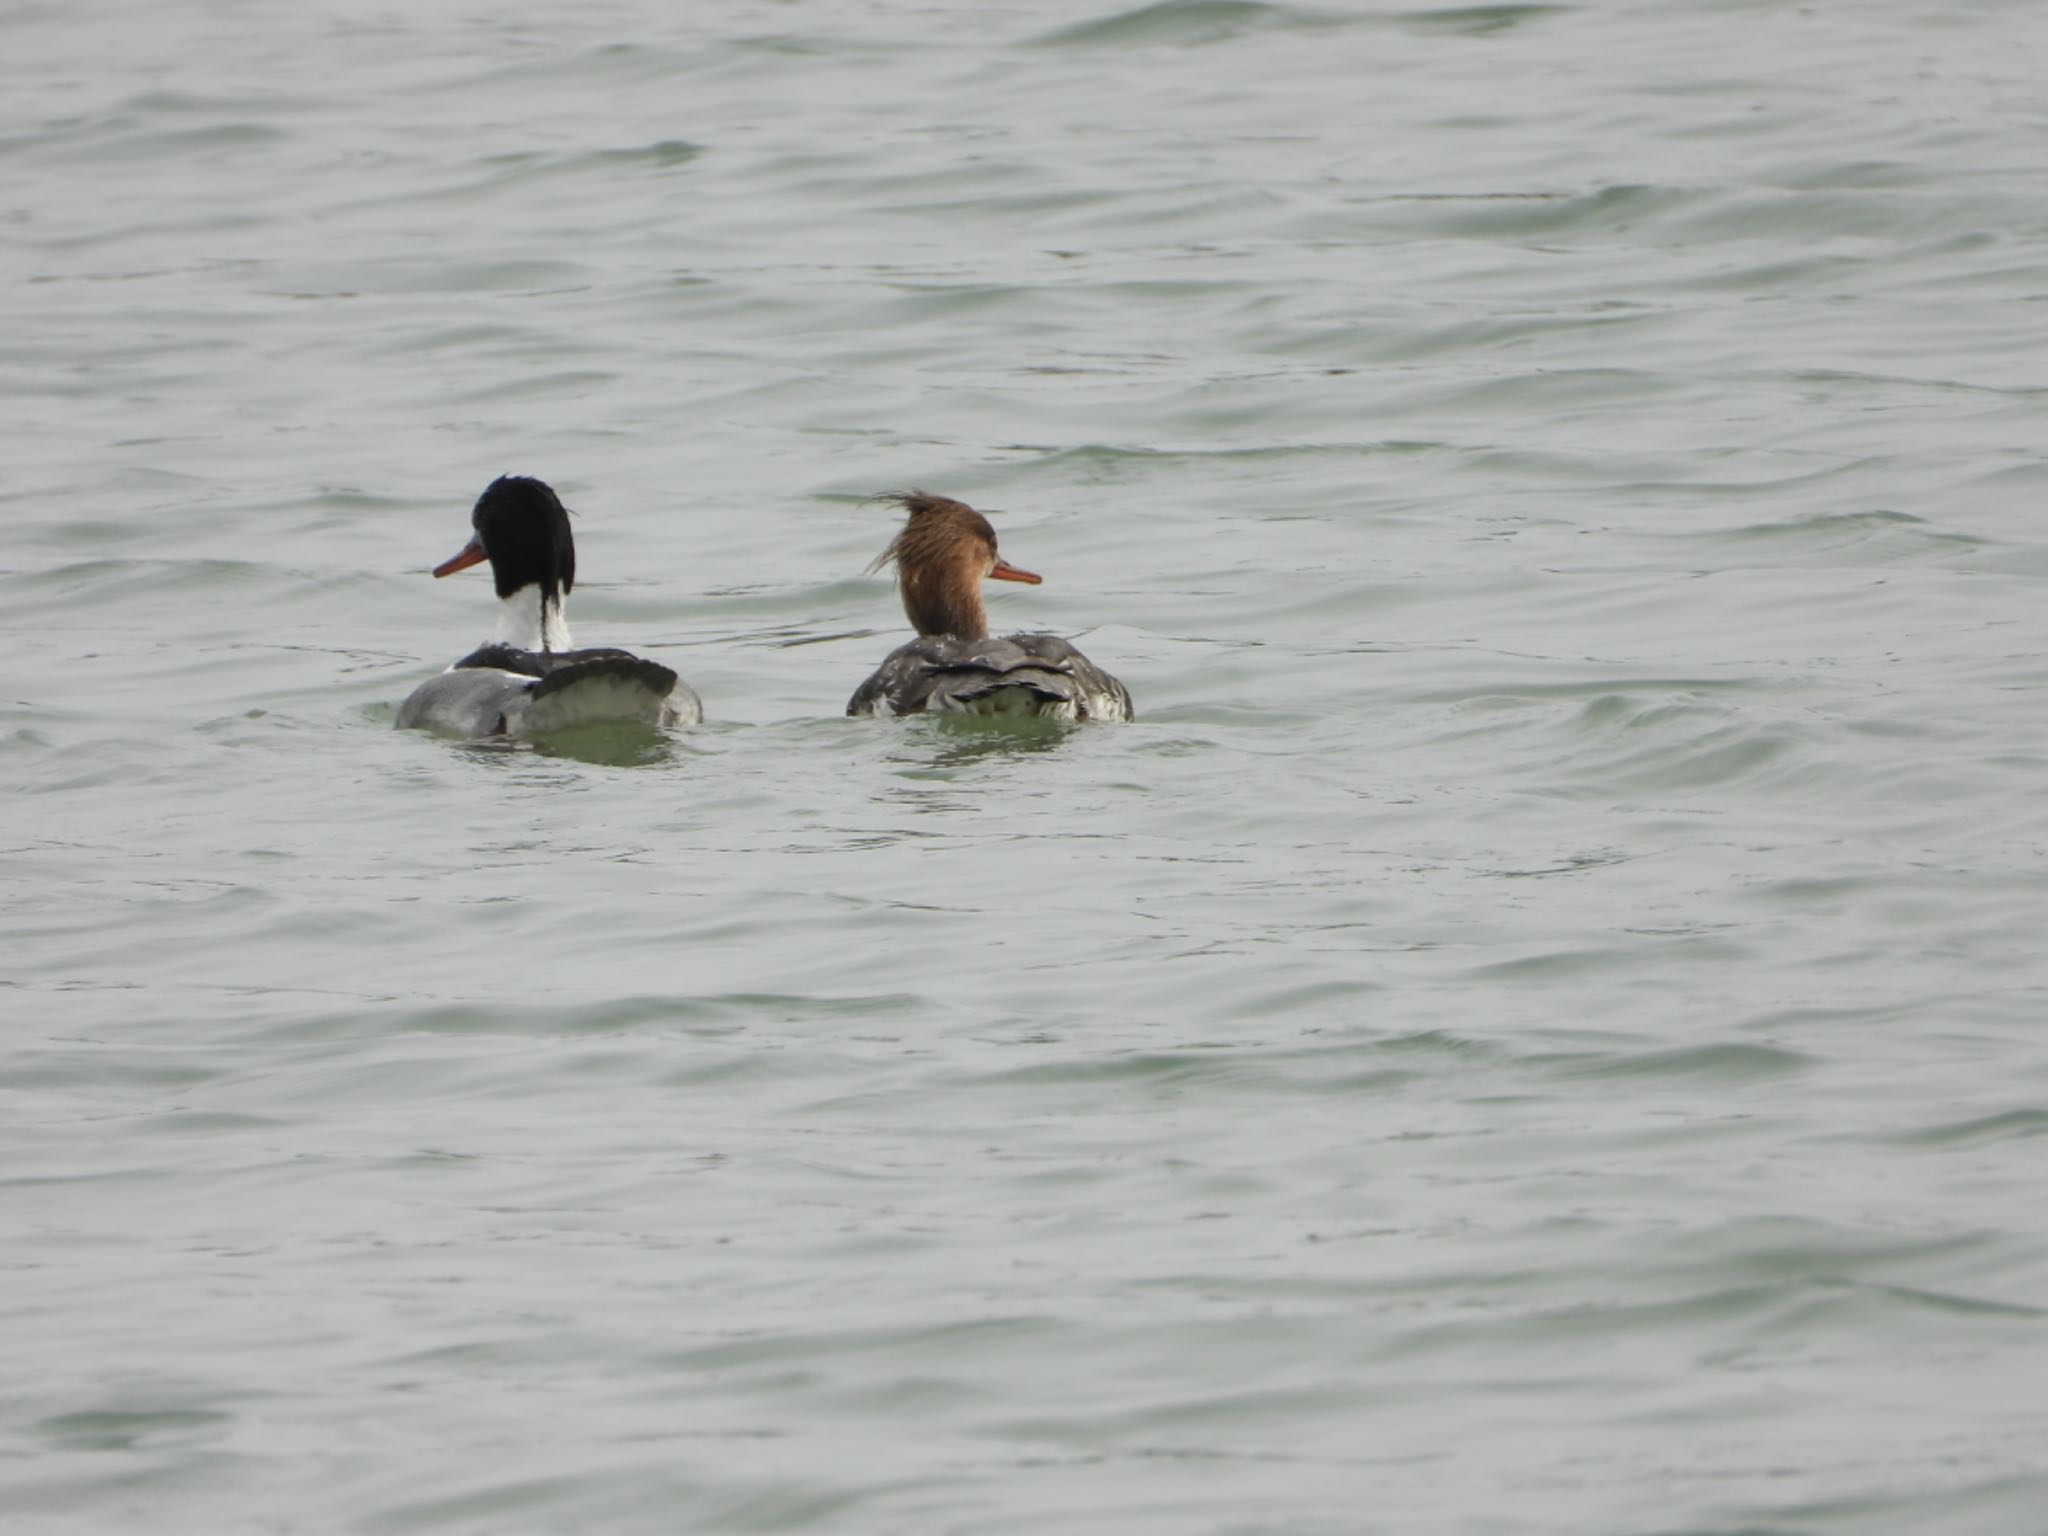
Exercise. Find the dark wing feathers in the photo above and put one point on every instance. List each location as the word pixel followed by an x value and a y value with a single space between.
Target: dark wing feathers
pixel 510 658
pixel 619 666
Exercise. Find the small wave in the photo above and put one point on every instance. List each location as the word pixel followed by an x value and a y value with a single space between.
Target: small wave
pixel 1183 22
pixel 1976 1131
pixel 119 1429
pixel 1726 1062
pixel 1479 20
pixel 1195 23
pixel 1878 532
pixel 1521 215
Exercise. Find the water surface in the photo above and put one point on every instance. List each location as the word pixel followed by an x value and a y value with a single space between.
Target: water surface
pixel 1536 1027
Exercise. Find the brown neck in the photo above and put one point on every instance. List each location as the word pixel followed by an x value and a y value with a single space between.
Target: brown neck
pixel 945 599
pixel 942 552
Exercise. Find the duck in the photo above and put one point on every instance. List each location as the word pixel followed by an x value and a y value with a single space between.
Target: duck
pixel 530 678
pixel 942 554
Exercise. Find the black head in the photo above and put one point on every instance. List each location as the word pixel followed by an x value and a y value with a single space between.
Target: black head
pixel 524 531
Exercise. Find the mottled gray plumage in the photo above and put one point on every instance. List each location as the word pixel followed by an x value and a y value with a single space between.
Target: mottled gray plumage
pixel 1039 675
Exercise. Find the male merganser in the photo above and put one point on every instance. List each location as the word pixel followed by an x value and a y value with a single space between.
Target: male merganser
pixel 942 553
pixel 529 680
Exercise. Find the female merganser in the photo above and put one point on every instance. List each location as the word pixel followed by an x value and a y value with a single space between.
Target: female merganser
pixel 529 680
pixel 942 553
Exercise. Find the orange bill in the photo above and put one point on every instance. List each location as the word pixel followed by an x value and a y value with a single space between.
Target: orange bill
pixel 1004 571
pixel 471 554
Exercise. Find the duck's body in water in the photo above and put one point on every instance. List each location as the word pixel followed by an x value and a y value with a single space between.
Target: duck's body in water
pixel 942 554
pixel 530 679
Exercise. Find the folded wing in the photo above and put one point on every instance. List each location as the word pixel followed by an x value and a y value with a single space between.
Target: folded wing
pixel 1017 675
pixel 503 690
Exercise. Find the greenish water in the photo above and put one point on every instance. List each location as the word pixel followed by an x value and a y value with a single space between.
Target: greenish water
pixel 1535 1028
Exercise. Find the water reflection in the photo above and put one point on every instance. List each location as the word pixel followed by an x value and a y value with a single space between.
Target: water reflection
pixel 602 746
pixel 939 744
pixel 613 746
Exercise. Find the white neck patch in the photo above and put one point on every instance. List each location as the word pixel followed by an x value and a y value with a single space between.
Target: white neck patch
pixel 523 624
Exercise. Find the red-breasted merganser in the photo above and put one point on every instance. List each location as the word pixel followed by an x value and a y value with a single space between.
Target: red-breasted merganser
pixel 942 554
pixel 529 679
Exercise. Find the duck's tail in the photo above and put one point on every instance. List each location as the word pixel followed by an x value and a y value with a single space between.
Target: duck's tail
pixel 610 690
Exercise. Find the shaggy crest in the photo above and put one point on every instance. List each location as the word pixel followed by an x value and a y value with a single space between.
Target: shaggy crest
pixel 941 553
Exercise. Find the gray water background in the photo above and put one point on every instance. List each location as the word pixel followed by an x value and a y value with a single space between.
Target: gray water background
pixel 1538 1026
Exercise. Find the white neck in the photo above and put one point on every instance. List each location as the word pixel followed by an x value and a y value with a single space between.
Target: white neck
pixel 521 622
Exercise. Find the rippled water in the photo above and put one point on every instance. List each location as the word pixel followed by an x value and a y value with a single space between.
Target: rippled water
pixel 1537 1027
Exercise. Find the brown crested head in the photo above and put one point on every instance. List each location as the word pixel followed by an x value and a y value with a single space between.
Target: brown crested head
pixel 942 553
